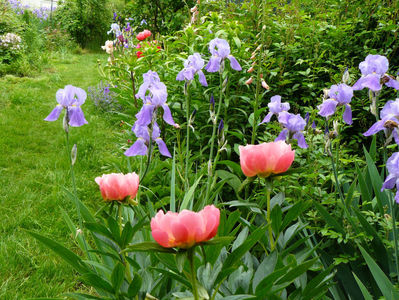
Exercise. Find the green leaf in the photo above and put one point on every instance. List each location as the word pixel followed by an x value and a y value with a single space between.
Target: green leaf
pixel 376 182
pixel 134 286
pixel 264 269
pixel 267 283
pixel 180 258
pixel 127 235
pixel 220 240
pixel 376 243
pixel 276 218
pixel 297 271
pixel 237 41
pixel 175 276
pixel 148 246
pixel 189 196
pixel 328 218
pixel 231 179
pixel 80 296
pixel 66 254
pixel 232 165
pixel 385 285
pixel 294 212
pixel 100 229
pixel 97 282
pixel 364 290
pixel 117 276
pixel 364 189
pixel 234 258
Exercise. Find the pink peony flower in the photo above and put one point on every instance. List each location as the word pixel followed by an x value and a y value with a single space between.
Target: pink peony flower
pixel 185 229
pixel 118 186
pixel 266 158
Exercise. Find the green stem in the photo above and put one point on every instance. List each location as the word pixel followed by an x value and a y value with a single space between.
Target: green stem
pixel 210 176
pixel 120 218
pixel 392 208
pixel 258 79
pixel 188 101
pixel 268 213
pixel 190 254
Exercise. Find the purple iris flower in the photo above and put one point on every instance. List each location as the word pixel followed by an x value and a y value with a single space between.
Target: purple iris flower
pixel 115 16
pixel 392 179
pixel 140 147
pixel 70 98
pixel 218 56
pixel 275 107
pixel 389 120
pixel 115 29
pixel 193 65
pixel 373 71
pixel 128 28
pixel 340 95
pixel 156 97
pixel 293 127
pixel 143 22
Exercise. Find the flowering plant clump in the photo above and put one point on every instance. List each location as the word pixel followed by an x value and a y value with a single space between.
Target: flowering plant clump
pixel 42 13
pixel 146 128
pixel 185 229
pixel 69 98
pixel 103 97
pixel 11 41
pixel 17 6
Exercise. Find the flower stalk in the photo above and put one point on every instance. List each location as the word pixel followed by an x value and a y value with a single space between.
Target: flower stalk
pixel 268 213
pixel 188 103
pixel 210 170
pixel 190 255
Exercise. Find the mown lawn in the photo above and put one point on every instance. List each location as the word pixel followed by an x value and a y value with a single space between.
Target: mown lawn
pixel 34 169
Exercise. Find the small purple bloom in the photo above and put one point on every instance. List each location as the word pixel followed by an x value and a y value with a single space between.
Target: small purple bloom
pixel 340 95
pixel 275 107
pixel 69 98
pixel 220 127
pixel 140 147
pixel 220 50
pixel 143 22
pixel 293 127
pixel 212 102
pixel 373 71
pixel 115 16
pixel 193 65
pixel 392 179
pixel 128 28
pixel 389 120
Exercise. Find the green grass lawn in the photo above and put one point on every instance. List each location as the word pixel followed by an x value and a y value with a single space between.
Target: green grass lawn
pixel 34 169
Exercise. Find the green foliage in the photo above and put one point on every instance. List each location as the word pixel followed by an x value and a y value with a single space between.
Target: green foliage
pixel 162 16
pixel 86 21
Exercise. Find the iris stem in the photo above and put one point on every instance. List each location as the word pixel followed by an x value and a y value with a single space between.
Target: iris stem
pixel 75 193
pixel 188 102
pixel 190 255
pixel 210 173
pixel 258 78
